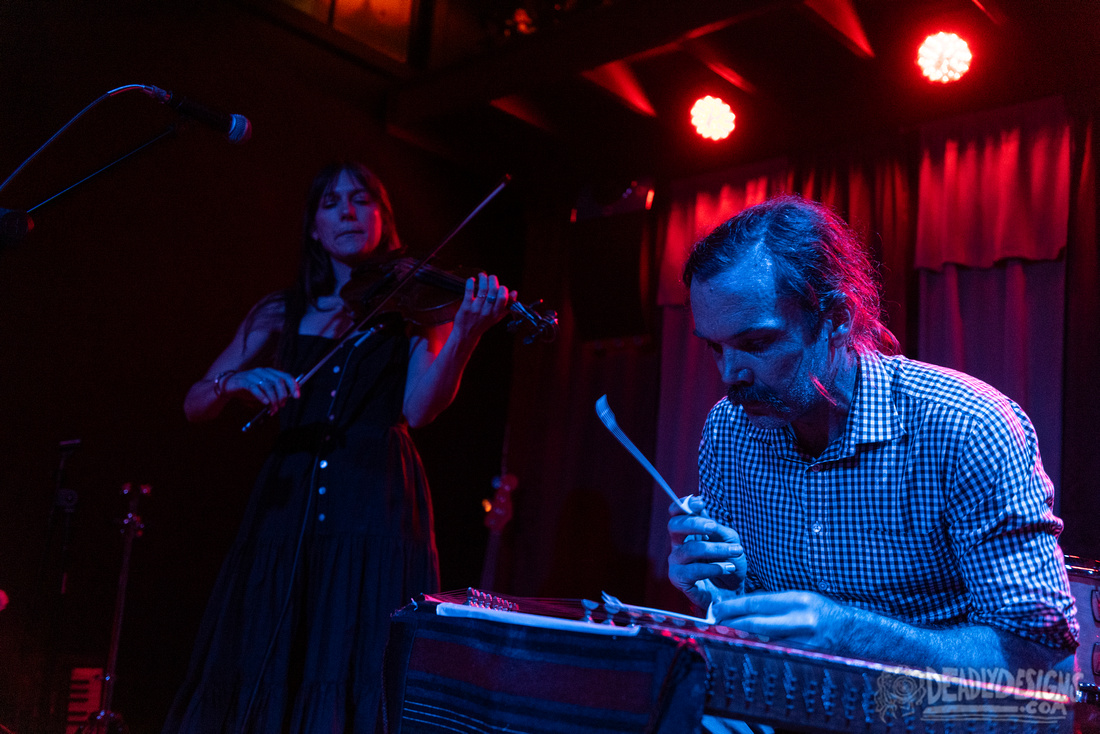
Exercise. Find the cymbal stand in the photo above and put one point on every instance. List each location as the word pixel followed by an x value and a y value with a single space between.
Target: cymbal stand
pixel 106 721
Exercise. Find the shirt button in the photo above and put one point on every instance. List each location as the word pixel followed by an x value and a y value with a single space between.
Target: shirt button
pixel 817 527
pixel 324 464
pixel 823 585
pixel 321 517
pixel 321 490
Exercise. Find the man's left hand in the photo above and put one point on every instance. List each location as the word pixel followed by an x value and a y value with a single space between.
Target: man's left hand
pixel 801 617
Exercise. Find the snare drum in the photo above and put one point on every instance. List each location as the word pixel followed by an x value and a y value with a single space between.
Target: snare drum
pixel 1084 582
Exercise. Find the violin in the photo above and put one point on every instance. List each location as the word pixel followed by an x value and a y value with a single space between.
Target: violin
pixel 431 297
pixel 384 285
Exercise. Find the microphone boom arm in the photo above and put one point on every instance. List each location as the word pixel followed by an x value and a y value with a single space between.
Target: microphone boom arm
pixel 239 131
pixel 67 125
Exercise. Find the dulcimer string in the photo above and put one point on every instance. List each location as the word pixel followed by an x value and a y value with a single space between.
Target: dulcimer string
pixel 607 608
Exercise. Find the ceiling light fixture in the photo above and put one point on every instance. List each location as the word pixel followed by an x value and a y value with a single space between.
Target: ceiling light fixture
pixel 944 57
pixel 712 118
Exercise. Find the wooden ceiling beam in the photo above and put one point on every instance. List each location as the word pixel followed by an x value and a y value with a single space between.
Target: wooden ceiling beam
pixel 603 35
pixel 619 79
pixel 706 54
pixel 992 10
pixel 524 109
pixel 843 19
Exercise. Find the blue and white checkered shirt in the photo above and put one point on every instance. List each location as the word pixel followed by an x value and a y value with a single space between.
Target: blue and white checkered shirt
pixel 932 507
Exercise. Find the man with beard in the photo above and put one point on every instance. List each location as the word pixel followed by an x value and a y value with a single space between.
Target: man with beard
pixel 852 500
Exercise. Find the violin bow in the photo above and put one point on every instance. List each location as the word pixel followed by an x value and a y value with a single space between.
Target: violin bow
pixel 354 329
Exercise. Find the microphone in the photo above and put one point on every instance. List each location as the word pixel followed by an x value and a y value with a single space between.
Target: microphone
pixel 237 128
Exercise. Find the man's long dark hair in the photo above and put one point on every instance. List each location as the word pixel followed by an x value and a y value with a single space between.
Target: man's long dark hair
pixel 315 275
pixel 819 262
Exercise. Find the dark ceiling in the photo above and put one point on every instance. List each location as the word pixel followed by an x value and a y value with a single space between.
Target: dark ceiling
pixel 799 75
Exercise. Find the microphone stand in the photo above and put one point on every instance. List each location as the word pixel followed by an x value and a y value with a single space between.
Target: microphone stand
pixel 67 125
pixel 106 721
pixel 17 224
pixel 49 600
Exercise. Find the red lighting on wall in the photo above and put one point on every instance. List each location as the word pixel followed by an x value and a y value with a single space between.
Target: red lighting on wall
pixel 712 118
pixel 944 57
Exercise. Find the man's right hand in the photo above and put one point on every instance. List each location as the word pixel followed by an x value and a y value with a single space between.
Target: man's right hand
pixel 707 561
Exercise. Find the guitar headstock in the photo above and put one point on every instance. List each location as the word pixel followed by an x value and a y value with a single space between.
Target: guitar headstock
pixel 498 512
pixel 132 521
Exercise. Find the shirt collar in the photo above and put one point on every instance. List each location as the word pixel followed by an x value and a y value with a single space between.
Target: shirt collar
pixel 873 418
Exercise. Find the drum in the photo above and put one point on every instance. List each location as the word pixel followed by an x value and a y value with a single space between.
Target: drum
pixel 1084 582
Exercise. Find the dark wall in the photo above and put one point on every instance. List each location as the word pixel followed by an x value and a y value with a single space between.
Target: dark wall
pixel 130 285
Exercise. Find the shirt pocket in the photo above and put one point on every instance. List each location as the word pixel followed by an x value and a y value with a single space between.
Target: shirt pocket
pixel 904 567
pixel 901 541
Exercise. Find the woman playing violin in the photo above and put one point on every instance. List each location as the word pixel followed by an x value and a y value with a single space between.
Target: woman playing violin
pixel 338 531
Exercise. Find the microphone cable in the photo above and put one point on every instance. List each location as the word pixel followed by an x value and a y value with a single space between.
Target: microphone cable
pixel 242 729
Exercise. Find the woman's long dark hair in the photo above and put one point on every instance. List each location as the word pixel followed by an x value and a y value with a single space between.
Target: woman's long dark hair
pixel 315 275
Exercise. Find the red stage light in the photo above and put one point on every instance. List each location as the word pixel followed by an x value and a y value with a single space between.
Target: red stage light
pixel 944 57
pixel 712 118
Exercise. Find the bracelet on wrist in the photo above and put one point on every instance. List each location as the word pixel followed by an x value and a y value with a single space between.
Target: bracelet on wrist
pixel 219 382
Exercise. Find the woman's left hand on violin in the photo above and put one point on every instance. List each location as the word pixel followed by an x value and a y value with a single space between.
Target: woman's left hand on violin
pixel 484 303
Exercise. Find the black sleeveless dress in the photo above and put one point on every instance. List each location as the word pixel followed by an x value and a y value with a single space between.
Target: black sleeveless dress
pixel 337 535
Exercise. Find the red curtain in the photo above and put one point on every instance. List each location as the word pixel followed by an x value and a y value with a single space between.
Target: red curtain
pixel 994 186
pixel 699 205
pixel 1080 495
pixel 994 212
